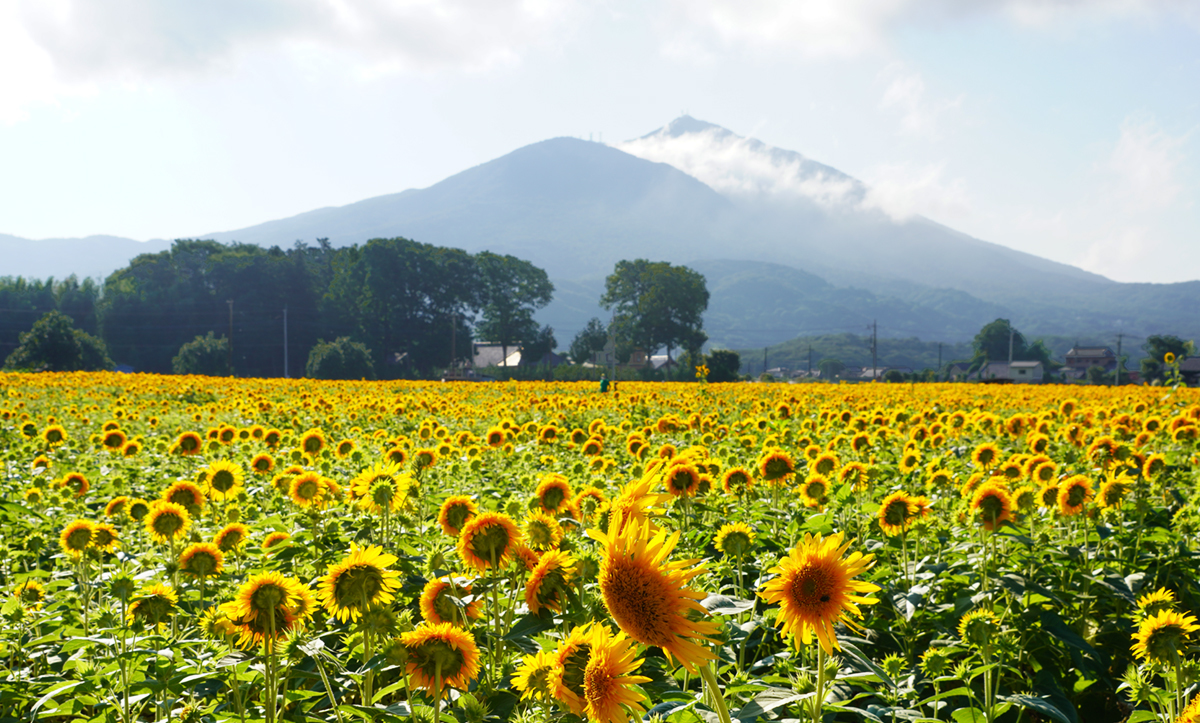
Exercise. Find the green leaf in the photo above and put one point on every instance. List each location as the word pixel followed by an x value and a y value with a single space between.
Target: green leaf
pixel 766 701
pixel 863 660
pixel 1039 705
pixel 968 715
pixel 724 605
pixel 53 692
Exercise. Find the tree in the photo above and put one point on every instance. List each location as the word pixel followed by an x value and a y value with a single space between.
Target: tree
pixel 536 348
pixel 830 368
pixel 723 365
pixel 1157 347
pixel 512 290
pixel 893 376
pixel 205 355
pixel 992 344
pixel 340 359
pixel 588 341
pixel 55 345
pixel 657 305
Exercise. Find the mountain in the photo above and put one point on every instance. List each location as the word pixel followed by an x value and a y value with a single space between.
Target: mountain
pixel 790 246
pixel 94 256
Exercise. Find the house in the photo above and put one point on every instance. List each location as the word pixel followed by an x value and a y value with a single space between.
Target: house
pixel 1026 372
pixel 958 372
pixel 1080 358
pixel 489 354
pixel 1189 369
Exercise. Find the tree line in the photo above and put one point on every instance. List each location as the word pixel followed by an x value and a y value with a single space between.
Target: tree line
pixel 406 307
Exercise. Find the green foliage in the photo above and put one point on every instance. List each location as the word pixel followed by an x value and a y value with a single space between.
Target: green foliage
pixel 54 344
pixel 854 350
pixel 993 341
pixel 24 301
pixel 512 290
pixel 588 341
pixel 205 355
pixel 723 365
pixel 657 305
pixel 340 359
pixel 830 368
pixel 1157 347
pixel 537 347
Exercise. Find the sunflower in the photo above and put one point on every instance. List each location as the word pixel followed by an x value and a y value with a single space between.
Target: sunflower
pixel 76 482
pixel 268 602
pixel 185 494
pixel 632 503
pixel 152 604
pixel 815 589
pixel 570 664
pixel 992 504
pixel 231 537
pixel 396 455
pixel 979 628
pixel 737 481
pixel 224 478
pixel 1044 473
pixel 113 440
pixel 553 492
pixel 77 537
pixel 534 677
pixel 1191 712
pixel 359 581
pixel 648 596
pixel 1073 494
pixel 381 487
pixel 131 448
pixel 308 489
pixel 30 593
pixel 1155 602
pixel 1154 466
pixel 910 460
pixel 202 559
pixel 442 602
pixel 441 656
pixel 588 502
pixel 312 442
pixel 1048 496
pixel 424 458
pixel 855 474
pixel 734 539
pixel 682 480
pixel 776 466
pixel 188 443
pixel 814 493
pixel 985 455
pixel 897 513
pixel 542 531
pixel 1113 491
pixel 138 509
pixel 274 539
pixel 343 448
pixel 550 581
pixel 166 521
pixel 456 511
pixel 1161 636
pixel 1025 498
pixel 54 435
pixel 610 691
pixel 488 540
pixel 116 506
pixel 105 537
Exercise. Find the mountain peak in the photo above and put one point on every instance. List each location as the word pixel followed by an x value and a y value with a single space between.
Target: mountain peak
pixel 685 124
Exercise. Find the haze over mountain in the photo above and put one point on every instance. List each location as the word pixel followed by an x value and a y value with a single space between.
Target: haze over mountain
pixel 789 245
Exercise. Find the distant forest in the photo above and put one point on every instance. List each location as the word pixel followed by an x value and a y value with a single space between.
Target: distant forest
pixel 413 305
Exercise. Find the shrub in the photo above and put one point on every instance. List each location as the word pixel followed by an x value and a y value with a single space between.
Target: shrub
pixel 55 345
pixel 340 359
pixel 205 355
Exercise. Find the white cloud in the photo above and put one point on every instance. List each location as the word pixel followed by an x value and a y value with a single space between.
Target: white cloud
pixel 1117 250
pixel 136 39
pixel 1142 167
pixel 743 166
pixel 697 29
pixel 905 95
pixel 903 191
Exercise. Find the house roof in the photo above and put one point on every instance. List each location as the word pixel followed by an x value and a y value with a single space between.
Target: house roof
pixel 1026 364
pixel 1190 364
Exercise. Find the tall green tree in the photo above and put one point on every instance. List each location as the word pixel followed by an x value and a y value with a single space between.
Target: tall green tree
pixel 22 302
pixel 590 339
pixel 657 305
pixel 992 344
pixel 511 291
pixel 723 365
pixel 1157 347
pixel 408 301
pixel 205 355
pixel 55 345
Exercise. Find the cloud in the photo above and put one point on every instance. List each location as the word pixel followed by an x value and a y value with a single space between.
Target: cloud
pixel 905 94
pixel 1117 250
pixel 740 166
pixel 903 191
pixel 135 39
pixel 700 29
pixel 1142 167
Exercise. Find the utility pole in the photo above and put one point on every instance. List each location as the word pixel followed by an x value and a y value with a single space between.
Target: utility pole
pixel 285 344
pixel 810 361
pixel 230 344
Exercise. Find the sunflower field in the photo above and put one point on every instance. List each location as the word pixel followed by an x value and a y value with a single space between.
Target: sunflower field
pixel 201 549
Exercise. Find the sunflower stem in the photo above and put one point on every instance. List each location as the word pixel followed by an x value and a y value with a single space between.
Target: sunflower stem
pixel 818 702
pixel 437 690
pixel 368 674
pixel 714 692
pixel 270 650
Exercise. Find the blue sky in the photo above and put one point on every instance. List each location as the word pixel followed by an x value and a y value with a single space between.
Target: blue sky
pixel 1064 128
